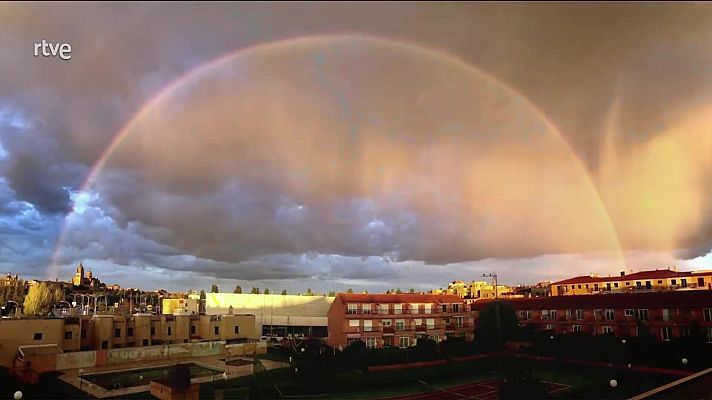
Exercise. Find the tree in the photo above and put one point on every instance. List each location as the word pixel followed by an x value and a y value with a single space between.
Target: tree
pixel 42 297
pixel 398 291
pixel 487 336
pixel 309 292
pixel 214 289
pixel 284 292
pixel 332 294
pixel 202 294
pixel 349 290
pixel 255 290
pixel 412 290
pixel 266 291
pixel 238 289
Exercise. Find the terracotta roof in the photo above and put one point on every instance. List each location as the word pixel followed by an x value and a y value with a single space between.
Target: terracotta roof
pixel 399 298
pixel 669 299
pixel 654 274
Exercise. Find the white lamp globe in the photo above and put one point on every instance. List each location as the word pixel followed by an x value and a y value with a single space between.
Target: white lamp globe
pixel 684 361
pixel 17 395
pixel 613 383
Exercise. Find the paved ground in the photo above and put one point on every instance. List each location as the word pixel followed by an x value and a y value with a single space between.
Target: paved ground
pixel 482 390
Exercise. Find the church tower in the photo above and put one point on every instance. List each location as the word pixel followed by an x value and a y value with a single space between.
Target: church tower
pixel 78 278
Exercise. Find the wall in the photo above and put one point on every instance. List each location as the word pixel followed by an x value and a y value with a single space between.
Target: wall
pixel 20 332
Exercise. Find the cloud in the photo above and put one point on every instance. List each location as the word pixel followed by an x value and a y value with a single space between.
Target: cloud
pixel 355 153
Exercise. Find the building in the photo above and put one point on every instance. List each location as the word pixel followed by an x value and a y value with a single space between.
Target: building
pixel 667 315
pixel 475 290
pixel 382 320
pixel 106 331
pixel 180 306
pixel 275 314
pixel 80 280
pixel 540 289
pixel 653 280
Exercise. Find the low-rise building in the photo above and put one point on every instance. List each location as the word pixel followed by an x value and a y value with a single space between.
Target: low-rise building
pixel 105 332
pixel 666 315
pixel 382 320
pixel 652 280
pixel 275 314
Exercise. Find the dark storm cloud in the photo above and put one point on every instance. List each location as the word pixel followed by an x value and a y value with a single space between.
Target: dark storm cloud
pixel 571 60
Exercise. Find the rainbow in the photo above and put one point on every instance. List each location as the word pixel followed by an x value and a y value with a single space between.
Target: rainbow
pixel 206 68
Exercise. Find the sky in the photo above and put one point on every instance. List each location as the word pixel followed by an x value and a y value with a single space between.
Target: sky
pixel 346 145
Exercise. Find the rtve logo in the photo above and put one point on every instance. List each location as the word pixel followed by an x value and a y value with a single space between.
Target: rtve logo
pixel 61 50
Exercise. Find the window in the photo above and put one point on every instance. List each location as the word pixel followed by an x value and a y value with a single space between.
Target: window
pixel 638 284
pixel 384 308
pixel 700 281
pixel 708 314
pixel 398 309
pixel 217 330
pixel 610 314
pixel 455 308
pixel 353 323
pixel 666 314
pixel 427 308
pixel 615 284
pixel 387 322
pixel 684 282
pixel 607 329
pixel 666 333
pixel 366 308
pixel 549 327
pixel 595 286
pixel 648 285
pixel 144 342
pixel 579 314
pixel 569 313
pixel 598 313
pixel 400 325
pixel 129 332
pixel 673 281
pixel 153 331
pixel 370 342
pixel 237 329
pixel 608 286
pixel 104 344
pixel 573 286
pixel 660 282
pixel 528 314
pixel 629 312
pixel 367 325
pixel 430 322
pixel 544 314
pixel 552 314
pixel 459 322
pixel 351 309
pixel 708 333
pixel 685 331
pixel 403 342
pixel 68 335
pixel 192 329
pixel 577 328
pixel 37 336
pixel 117 332
pixel 643 314
pixel 627 283
pixel 443 307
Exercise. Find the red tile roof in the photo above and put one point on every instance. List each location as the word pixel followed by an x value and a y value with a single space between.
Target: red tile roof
pixel 669 299
pixel 399 298
pixel 653 274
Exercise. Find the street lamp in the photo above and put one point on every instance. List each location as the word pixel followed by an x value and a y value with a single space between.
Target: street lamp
pixel 613 383
pixel 17 395
pixel 684 361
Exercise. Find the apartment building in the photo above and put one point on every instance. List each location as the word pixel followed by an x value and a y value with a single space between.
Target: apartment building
pixel 653 280
pixel 383 320
pixel 105 332
pixel 475 290
pixel 667 315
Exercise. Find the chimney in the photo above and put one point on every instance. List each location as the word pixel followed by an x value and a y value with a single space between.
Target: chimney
pixel 622 273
